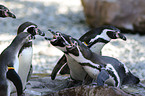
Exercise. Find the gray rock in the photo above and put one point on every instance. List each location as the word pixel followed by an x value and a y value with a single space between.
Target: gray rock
pixel 86 90
pixel 125 14
pixel 42 85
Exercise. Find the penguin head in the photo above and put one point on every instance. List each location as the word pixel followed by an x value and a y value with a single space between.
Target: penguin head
pixel 30 28
pixel 102 34
pixel 58 40
pixel 77 48
pixel 73 47
pixel 113 32
pixel 4 12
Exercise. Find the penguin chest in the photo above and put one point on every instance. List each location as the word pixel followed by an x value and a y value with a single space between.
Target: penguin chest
pixel 93 72
pixel 76 70
pixel 25 61
pixel 25 58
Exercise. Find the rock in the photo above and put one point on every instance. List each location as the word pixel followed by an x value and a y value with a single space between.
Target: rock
pixel 125 14
pixel 88 90
pixel 42 85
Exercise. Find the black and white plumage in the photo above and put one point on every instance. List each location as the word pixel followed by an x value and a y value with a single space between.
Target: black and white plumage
pixel 8 63
pixel 95 39
pixel 5 12
pixel 102 68
pixel 26 51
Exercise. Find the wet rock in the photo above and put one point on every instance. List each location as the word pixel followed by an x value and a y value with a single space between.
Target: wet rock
pixel 127 15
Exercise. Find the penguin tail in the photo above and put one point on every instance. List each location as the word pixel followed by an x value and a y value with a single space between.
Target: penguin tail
pixel 130 79
pixel 14 77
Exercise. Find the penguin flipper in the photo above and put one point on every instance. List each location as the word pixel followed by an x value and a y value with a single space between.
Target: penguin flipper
pixel 14 77
pixel 102 77
pixel 65 70
pixel 58 66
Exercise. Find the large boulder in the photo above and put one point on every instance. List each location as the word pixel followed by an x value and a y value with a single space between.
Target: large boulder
pixel 129 15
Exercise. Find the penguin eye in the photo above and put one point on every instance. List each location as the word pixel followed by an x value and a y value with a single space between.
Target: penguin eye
pixel 112 34
pixel 31 30
pixel 75 43
pixel 58 34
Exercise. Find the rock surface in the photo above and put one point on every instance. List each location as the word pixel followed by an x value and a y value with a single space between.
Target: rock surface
pixel 129 15
pixel 91 91
pixel 42 85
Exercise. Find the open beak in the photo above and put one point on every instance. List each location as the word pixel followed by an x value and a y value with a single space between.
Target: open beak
pixel 9 14
pixel 71 43
pixel 53 33
pixel 39 32
pixel 121 36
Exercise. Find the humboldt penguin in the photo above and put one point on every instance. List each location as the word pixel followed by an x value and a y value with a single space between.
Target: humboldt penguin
pixel 95 37
pixel 5 12
pixel 9 65
pixel 102 69
pixel 26 51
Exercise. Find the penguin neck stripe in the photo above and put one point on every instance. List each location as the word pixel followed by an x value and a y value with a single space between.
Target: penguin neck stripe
pixel 99 40
pixel 88 64
pixel 10 68
pixel 85 43
pixel 109 67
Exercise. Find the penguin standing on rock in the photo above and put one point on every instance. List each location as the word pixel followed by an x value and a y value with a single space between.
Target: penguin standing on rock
pixel 9 62
pixel 95 39
pixel 102 68
pixel 26 51
pixel 4 12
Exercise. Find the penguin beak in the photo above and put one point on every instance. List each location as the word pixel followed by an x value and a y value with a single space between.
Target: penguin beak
pixel 5 12
pixel 47 38
pixel 53 33
pixel 121 36
pixel 9 14
pixel 39 32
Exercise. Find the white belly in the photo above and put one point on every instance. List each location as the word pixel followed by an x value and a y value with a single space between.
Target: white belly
pixel 92 71
pixel 11 87
pixel 76 70
pixel 25 60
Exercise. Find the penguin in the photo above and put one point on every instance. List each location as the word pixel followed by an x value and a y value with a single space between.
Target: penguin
pixel 26 52
pixel 5 12
pixel 102 69
pixel 9 63
pixel 95 37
